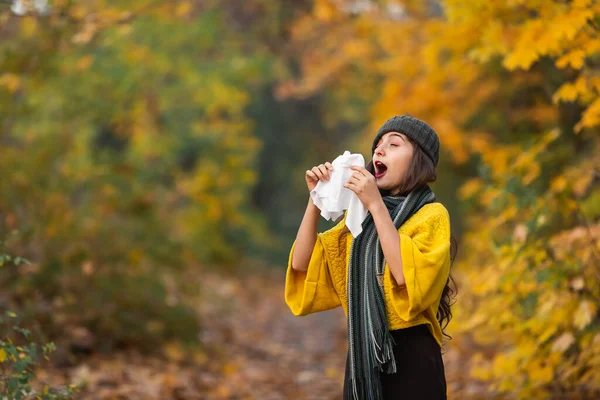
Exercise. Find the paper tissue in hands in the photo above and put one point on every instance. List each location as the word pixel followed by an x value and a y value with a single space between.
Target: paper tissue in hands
pixel 332 198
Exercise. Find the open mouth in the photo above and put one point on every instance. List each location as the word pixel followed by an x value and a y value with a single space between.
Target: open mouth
pixel 380 169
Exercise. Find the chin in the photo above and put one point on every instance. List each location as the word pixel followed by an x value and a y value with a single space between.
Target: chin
pixel 384 187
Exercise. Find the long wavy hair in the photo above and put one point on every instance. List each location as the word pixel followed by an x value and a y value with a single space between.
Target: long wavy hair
pixel 422 171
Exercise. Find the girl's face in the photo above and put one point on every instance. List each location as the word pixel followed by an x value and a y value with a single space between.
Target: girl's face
pixel 391 159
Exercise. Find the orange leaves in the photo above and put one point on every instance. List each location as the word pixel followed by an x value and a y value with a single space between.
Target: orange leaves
pixel 10 81
pixel 325 10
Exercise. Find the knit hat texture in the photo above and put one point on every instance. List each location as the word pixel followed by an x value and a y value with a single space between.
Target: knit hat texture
pixel 417 130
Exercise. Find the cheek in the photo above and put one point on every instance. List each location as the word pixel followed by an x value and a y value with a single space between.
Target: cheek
pixel 402 163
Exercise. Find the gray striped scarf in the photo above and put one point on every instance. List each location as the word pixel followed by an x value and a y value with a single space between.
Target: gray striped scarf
pixel 370 343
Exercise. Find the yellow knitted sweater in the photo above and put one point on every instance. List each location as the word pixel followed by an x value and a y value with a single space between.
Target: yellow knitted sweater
pixel 425 251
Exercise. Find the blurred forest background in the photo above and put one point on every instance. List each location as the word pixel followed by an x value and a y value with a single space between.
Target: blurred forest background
pixel 152 159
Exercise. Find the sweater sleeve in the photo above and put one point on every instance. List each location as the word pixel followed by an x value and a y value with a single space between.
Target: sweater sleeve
pixel 313 290
pixel 426 265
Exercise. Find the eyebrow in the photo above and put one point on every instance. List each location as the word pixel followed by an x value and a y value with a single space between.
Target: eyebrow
pixel 393 134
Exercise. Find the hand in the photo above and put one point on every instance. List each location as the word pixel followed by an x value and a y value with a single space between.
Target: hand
pixel 364 184
pixel 320 172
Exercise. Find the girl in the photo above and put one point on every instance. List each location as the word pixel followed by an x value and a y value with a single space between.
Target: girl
pixel 393 279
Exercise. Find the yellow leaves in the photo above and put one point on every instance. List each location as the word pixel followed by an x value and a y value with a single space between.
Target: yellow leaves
pixel 492 42
pixel 506 363
pixel 584 314
pixel 502 282
pixel 480 369
pixel 547 333
pixel 78 11
pixel 10 81
pixel 324 10
pixel 183 9
pixel 489 196
pixel 541 373
pixel 357 48
pixel 29 26
pixel 481 373
pixel 584 89
pixel 220 96
pixel 570 91
pixel 591 116
pixel 532 172
pixel 500 159
pixel 581 3
pixel 573 59
pixel 536 40
pixel 558 184
pixel 470 188
pixel 524 54
pixel 525 287
pixel 2 355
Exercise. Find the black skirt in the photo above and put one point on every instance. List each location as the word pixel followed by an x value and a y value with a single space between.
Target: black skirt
pixel 419 367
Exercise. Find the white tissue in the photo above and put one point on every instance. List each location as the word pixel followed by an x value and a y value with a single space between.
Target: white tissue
pixel 332 198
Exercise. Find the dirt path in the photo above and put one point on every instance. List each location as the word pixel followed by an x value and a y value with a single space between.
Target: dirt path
pixel 255 348
pixel 269 353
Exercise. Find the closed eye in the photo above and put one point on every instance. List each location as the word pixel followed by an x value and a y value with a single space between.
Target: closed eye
pixel 392 144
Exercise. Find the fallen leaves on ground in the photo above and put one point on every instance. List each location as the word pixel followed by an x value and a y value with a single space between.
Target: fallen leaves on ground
pixel 253 348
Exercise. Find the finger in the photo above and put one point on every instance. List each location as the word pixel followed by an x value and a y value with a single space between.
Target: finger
pixel 359 169
pixel 319 172
pixel 311 175
pixel 324 171
pixel 329 165
pixel 356 177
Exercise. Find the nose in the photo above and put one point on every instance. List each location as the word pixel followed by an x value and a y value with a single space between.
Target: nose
pixel 379 149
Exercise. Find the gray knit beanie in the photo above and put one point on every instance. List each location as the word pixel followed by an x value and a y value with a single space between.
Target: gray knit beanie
pixel 417 130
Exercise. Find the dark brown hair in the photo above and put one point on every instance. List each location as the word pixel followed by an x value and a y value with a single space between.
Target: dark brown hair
pixel 421 172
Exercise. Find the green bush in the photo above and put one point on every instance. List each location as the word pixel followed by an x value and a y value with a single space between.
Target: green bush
pixel 19 355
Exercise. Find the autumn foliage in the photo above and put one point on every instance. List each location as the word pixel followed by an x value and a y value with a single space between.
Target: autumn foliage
pixel 513 90
pixel 140 140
